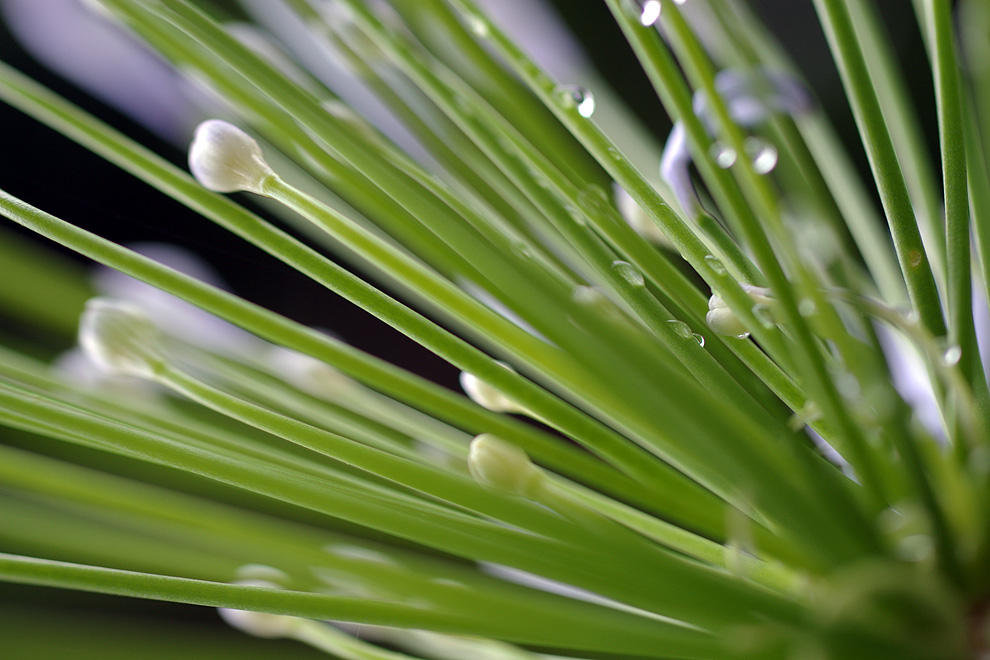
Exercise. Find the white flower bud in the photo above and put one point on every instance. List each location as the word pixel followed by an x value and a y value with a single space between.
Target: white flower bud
pixel 308 374
pixel 261 573
pixel 260 624
pixel 487 396
pixel 724 321
pixel 504 466
pixel 225 159
pixel 120 338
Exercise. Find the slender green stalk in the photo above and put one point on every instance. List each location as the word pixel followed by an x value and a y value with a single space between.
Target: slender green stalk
pixel 638 638
pixel 915 263
pixel 962 332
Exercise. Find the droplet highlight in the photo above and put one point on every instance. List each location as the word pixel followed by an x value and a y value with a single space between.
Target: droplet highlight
pixel 581 98
pixel 681 328
pixel 478 26
pixel 649 12
pixel 724 155
pixel 762 154
pixel 629 273
pixel 717 266
pixel 951 356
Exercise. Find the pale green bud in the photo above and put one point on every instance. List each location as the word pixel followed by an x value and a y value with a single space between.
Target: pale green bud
pixel 487 396
pixel 260 624
pixel 504 466
pixel 724 321
pixel 121 338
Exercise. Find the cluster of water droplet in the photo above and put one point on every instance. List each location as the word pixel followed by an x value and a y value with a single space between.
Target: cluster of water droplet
pixel 761 153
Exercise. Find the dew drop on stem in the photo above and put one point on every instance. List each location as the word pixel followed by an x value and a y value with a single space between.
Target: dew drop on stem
pixel 681 328
pixel 478 26
pixel 717 266
pixel 649 12
pixel 629 273
pixel 723 155
pixel 582 99
pixel 761 153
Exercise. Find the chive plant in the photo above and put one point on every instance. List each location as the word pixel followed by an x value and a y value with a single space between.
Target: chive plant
pixel 724 398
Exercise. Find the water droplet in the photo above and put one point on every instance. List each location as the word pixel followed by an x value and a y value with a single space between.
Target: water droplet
pixel 478 26
pixel 744 335
pixel 723 155
pixel 717 266
pixel 951 356
pixel 761 153
pixel 522 250
pixel 649 12
pixel 576 215
pixel 681 328
pixel 764 315
pixel 699 338
pixel 582 99
pixel 629 273
pixel 807 307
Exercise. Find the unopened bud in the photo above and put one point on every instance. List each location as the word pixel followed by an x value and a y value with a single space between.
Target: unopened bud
pixel 225 159
pixel 724 321
pixel 260 624
pixel 487 396
pixel 120 338
pixel 312 376
pixel 504 466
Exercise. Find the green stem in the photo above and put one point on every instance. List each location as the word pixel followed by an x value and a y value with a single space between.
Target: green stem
pixel 951 119
pixel 914 261
pixel 611 633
